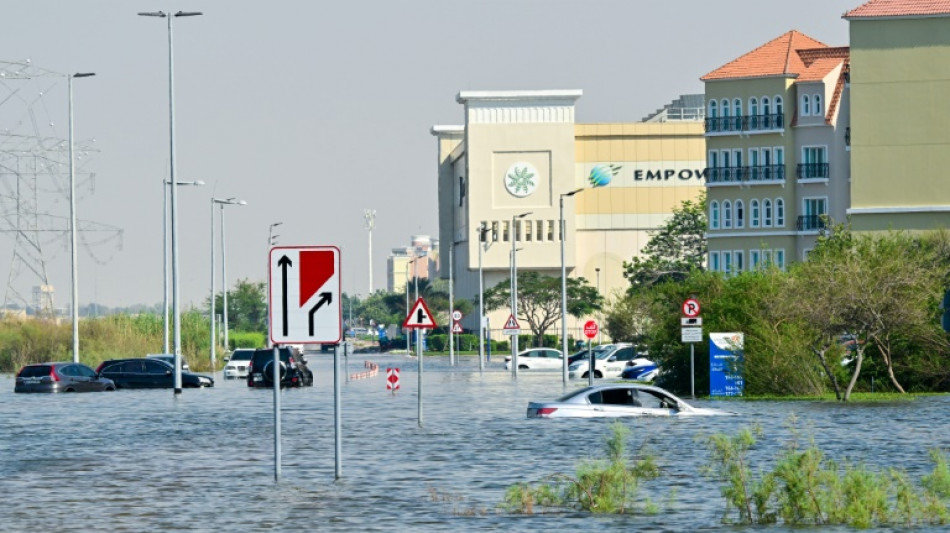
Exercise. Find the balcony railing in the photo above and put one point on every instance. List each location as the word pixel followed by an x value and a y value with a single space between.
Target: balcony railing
pixel 745 174
pixel 808 171
pixel 810 222
pixel 752 123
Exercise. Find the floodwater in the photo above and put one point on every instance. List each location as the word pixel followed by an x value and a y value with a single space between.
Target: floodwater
pixel 145 460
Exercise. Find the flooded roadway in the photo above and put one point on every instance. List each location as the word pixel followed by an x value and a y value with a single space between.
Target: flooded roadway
pixel 145 460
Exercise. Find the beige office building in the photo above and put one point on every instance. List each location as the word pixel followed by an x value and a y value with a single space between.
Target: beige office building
pixel 520 153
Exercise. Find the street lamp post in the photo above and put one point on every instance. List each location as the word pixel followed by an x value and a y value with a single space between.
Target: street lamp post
pixel 72 218
pixel 514 292
pixel 271 241
pixel 600 330
pixel 174 197
pixel 562 229
pixel 222 202
pixel 166 183
pixel 481 299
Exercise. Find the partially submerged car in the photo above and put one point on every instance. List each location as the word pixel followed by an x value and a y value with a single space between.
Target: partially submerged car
pixel 538 359
pixel 60 377
pixel 617 400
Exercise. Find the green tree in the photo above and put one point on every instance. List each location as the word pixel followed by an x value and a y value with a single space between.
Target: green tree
pixel 247 306
pixel 673 251
pixel 539 299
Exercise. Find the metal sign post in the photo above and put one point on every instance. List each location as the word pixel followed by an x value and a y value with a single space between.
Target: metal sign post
pixel 337 415
pixel 419 318
pixel 691 334
pixel 590 331
pixel 276 413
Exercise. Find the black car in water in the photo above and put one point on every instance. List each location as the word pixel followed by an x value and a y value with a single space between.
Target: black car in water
pixel 148 373
pixel 293 369
pixel 60 377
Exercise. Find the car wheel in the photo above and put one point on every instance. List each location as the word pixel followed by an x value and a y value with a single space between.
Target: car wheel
pixel 597 374
pixel 110 389
pixel 585 374
pixel 523 367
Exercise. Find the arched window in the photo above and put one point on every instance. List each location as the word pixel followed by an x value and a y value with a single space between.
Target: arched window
pixel 767 213
pixel 726 214
pixel 754 206
pixel 740 214
pixel 726 123
pixel 737 111
pixel 779 213
pixel 767 121
pixel 754 112
pixel 714 215
pixel 779 110
pixel 806 105
pixel 816 101
pixel 713 109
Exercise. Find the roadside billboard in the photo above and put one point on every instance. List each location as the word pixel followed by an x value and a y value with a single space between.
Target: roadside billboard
pixel 725 364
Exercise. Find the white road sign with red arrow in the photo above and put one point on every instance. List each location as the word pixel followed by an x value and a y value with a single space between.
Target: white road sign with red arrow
pixel 304 296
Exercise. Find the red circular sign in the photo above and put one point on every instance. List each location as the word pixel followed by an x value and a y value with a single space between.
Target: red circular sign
pixel 590 329
pixel 691 308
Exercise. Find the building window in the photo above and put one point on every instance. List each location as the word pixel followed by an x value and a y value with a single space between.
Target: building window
pixel 726 214
pixel 816 101
pixel 714 261
pixel 482 234
pixel 739 257
pixel 767 121
pixel 754 259
pixel 551 230
pixel 740 214
pixel 506 231
pixel 539 230
pixel 814 210
pixel 806 105
pixel 528 226
pixel 779 213
pixel 754 206
pixel 737 111
pixel 780 259
pixel 767 257
pixel 779 110
pixel 767 213
pixel 714 214
pixel 727 262
pixel 753 113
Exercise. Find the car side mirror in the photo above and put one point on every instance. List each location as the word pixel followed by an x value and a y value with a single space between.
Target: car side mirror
pixel 226 359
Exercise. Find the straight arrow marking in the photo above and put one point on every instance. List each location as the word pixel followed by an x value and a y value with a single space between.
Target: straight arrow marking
pixel 284 263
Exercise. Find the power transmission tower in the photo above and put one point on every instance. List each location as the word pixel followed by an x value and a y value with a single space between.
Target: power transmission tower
pixel 34 190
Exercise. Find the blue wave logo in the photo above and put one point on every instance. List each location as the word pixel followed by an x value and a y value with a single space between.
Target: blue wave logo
pixel 601 175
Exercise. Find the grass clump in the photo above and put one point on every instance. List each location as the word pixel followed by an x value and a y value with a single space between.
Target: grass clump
pixel 608 485
pixel 806 488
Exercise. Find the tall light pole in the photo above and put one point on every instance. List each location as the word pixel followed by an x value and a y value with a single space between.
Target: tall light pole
pixel 271 241
pixel 514 292
pixel 369 216
pixel 72 218
pixel 563 231
pixel 224 266
pixel 176 295
pixel 481 299
pixel 600 330
pixel 165 184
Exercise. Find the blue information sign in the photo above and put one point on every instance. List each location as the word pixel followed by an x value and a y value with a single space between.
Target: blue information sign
pixel 725 364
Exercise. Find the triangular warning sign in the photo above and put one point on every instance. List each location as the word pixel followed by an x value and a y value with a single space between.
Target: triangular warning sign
pixel 512 323
pixel 457 327
pixel 419 316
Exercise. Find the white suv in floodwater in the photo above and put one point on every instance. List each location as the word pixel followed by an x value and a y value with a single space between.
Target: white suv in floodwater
pixel 236 367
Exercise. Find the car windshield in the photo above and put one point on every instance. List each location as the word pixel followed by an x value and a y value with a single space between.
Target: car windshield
pixel 34 371
pixel 242 355
pixel 603 353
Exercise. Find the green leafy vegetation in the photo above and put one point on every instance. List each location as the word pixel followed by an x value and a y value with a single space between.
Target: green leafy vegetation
pixel 805 488
pixel 608 485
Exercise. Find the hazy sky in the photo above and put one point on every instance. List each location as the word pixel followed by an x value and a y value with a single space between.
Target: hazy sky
pixel 314 111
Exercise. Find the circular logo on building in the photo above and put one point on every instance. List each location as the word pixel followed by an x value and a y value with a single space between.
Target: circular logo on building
pixel 601 175
pixel 521 179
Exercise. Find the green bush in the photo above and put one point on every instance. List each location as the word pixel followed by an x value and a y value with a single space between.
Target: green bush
pixel 246 339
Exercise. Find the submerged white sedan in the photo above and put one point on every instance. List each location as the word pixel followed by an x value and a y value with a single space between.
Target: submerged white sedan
pixel 616 400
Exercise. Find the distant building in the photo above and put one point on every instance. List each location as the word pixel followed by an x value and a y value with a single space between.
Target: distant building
pixel 776 138
pixel 520 152
pixel 415 261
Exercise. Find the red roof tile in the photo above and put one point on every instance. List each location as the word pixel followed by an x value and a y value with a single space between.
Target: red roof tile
pixel 774 58
pixel 899 8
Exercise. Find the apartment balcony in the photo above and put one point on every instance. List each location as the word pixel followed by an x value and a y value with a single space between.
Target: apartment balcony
pixel 810 223
pixel 747 124
pixel 745 175
pixel 812 171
